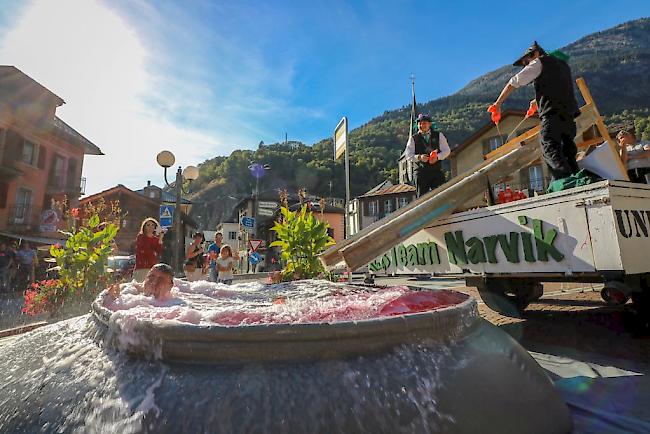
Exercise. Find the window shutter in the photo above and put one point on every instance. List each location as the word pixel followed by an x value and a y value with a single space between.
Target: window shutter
pixel 42 153
pixel 4 192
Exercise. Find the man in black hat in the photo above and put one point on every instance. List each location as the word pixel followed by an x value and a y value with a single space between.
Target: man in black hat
pixel 425 149
pixel 556 103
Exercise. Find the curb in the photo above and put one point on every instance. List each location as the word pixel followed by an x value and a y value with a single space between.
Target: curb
pixel 21 329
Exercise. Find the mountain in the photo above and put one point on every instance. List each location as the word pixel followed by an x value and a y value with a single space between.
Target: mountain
pixel 615 63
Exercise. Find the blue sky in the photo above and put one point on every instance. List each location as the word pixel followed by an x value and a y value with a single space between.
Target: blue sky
pixel 203 78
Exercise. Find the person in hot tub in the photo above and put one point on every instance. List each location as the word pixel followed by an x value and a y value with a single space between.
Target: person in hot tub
pixel 158 282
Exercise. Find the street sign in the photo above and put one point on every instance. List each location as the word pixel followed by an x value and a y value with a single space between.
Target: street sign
pixel 255 244
pixel 166 216
pixel 267 204
pixel 265 212
pixel 340 138
pixel 248 222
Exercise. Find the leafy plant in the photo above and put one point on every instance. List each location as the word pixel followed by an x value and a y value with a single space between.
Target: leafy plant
pixel 301 237
pixel 81 260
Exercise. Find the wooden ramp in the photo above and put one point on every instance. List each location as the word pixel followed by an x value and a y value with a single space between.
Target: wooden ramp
pixel 518 153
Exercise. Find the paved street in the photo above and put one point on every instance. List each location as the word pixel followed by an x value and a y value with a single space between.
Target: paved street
pixel 570 320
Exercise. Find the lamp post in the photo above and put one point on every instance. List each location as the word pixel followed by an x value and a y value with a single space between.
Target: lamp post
pixel 257 170
pixel 166 159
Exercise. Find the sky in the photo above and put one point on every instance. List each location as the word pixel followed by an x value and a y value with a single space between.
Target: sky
pixel 202 78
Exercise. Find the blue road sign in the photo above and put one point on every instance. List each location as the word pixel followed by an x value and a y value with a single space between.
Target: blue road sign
pixel 166 216
pixel 248 222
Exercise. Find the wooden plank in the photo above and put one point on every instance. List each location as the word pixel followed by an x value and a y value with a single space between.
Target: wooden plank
pixel 591 142
pixel 586 94
pixel 512 144
pixel 434 205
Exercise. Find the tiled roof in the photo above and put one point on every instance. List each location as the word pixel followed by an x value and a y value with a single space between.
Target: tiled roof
pixel 393 189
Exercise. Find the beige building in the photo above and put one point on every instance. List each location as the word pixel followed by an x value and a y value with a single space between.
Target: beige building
pixel 474 149
pixel 378 203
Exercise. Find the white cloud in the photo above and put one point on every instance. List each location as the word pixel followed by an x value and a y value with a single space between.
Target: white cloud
pixel 88 55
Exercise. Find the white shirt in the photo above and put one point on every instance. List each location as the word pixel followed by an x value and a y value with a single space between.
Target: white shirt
pixel 225 263
pixel 527 75
pixel 442 143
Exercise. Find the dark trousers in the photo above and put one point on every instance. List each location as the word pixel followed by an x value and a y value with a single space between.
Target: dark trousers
pixel 427 178
pixel 558 147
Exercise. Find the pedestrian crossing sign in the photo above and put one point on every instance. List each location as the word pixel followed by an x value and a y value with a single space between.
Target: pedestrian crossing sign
pixel 166 216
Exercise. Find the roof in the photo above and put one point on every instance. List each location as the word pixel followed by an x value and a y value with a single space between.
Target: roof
pixel 484 129
pixel 315 207
pixel 381 186
pixel 166 196
pixel 73 136
pixel 116 189
pixel 12 72
pixel 17 81
pixel 393 189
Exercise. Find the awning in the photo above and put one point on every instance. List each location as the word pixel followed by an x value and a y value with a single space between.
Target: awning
pixel 32 239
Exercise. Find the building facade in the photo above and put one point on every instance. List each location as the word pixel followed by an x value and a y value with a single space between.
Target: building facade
pixel 137 206
pixel 486 139
pixel 377 204
pixel 41 159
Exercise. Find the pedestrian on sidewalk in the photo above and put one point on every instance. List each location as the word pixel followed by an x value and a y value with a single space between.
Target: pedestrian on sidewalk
pixel 425 149
pixel 556 103
pixel 6 262
pixel 26 259
pixel 148 248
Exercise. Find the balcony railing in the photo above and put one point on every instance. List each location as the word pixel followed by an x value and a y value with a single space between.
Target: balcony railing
pixel 23 215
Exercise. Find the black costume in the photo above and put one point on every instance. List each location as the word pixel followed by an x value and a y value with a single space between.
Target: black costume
pixel 557 110
pixel 427 176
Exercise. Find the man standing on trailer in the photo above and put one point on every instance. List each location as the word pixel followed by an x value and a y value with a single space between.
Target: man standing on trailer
pixel 557 105
pixel 425 149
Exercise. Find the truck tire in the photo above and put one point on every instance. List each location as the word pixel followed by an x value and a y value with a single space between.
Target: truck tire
pixel 508 297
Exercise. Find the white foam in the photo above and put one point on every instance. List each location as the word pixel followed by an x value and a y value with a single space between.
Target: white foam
pixel 207 303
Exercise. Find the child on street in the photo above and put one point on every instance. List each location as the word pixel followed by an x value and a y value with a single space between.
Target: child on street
pixel 225 263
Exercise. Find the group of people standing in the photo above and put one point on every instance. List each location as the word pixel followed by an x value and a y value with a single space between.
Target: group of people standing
pixel 557 107
pixel 217 262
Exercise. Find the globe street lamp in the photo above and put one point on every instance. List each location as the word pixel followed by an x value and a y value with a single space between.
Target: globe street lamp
pixel 166 159
pixel 257 170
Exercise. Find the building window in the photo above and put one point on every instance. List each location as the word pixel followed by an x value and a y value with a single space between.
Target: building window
pixel 23 206
pixel 403 201
pixel 232 235
pixel 72 178
pixel 29 152
pixel 373 208
pixel 493 143
pixel 388 206
pixel 536 176
pixel 152 194
pixel 57 175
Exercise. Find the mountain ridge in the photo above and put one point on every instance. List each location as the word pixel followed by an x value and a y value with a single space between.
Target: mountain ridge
pixel 614 62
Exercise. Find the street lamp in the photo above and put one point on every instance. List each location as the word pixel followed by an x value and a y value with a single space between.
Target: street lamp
pixel 257 170
pixel 166 159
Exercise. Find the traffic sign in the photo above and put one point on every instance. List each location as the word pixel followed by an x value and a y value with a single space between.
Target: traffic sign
pixel 248 222
pixel 255 244
pixel 166 216
pixel 268 204
pixel 265 212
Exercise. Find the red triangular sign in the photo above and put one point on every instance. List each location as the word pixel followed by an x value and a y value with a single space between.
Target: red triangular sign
pixel 255 244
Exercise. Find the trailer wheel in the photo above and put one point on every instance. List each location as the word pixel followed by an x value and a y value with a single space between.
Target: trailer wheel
pixel 509 297
pixel 641 298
